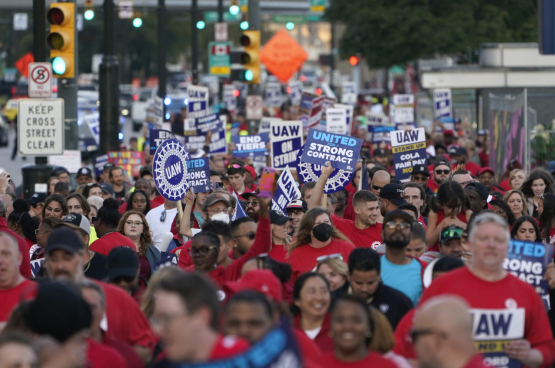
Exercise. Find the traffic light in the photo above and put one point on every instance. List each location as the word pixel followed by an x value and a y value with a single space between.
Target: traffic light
pixel 248 58
pixel 61 39
pixel 353 60
pixel 234 8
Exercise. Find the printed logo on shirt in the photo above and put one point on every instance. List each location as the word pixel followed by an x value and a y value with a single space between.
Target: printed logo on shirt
pixel 510 303
pixel 221 295
pixel 375 245
pixel 384 308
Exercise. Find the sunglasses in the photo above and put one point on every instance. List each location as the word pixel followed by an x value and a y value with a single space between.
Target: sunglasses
pixel 126 279
pixel 329 256
pixel 449 233
pixel 393 224
pixel 445 172
pixel 250 235
pixel 251 204
pixel 375 187
pixel 163 216
pixel 202 251
pixel 415 334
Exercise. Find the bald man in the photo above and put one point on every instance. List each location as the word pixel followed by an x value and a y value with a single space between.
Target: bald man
pixel 380 179
pixel 25 266
pixel 442 335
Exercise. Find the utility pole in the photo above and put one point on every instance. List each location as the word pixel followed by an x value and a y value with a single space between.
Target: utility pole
pixel 194 44
pixel 254 24
pixel 109 86
pixel 162 72
pixel 333 52
pixel 39 46
pixel 220 79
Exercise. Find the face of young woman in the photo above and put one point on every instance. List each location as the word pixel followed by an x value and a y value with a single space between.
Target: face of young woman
pixel 314 298
pixel 526 232
pixel 349 326
pixel 335 279
pixel 53 209
pixel 538 187
pixel 517 180
pixel 515 203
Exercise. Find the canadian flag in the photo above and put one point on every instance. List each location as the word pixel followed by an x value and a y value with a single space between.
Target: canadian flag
pixel 220 50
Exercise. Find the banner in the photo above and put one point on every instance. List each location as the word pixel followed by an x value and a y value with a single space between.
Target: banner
pixel 230 100
pixel 206 123
pixel 409 149
pixel 156 137
pixel 443 103
pixel 198 101
pixel 286 191
pixel 198 174
pixel 273 94
pixel 218 142
pixel 349 93
pixel 130 161
pixel 295 92
pixel 342 151
pixel 336 121
pixel 286 139
pixel 250 145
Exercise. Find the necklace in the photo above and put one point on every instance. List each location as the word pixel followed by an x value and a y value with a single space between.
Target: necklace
pixel 91 255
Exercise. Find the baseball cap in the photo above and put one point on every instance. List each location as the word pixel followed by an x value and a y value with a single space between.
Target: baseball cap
pixel 461 151
pixel 65 239
pixel 439 163
pixel 107 188
pixel 452 150
pixel 393 192
pixel 37 198
pixel 251 171
pixel 58 170
pixel 122 261
pixel 481 132
pixel 79 221
pixel 421 169
pixel 146 170
pixel 398 214
pixel 297 204
pixel 263 281
pixel 84 171
pixel 248 195
pixel 450 232
pixel 485 169
pixel 276 218
pixel 439 145
pixel 379 152
pixel 108 166
pixel 214 198
pixel 480 188
pixel 448 132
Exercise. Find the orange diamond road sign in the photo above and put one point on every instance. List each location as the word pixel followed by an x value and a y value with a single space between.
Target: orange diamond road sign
pixel 283 56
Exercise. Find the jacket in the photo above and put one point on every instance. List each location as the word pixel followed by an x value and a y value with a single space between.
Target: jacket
pixel 152 255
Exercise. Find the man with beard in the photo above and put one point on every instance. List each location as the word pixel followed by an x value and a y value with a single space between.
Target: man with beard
pixel 400 271
pixel 243 231
pixel 252 206
pixel 442 170
pixel 296 210
pixel 391 197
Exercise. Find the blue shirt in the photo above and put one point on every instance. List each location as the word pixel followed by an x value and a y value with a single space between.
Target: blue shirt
pixel 405 278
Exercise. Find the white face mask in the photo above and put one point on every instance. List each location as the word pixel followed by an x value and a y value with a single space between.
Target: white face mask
pixel 221 217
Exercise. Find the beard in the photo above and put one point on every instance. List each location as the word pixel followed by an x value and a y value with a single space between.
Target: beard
pixel 399 242
pixel 253 215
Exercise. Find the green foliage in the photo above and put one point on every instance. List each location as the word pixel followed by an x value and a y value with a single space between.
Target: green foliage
pixel 389 32
pixel 543 149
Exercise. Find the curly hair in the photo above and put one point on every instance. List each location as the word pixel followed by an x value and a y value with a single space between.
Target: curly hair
pixel 55 198
pixel 522 197
pixel 145 235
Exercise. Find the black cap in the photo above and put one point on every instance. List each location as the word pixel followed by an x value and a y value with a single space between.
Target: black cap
pixel 452 150
pixel 84 171
pixel 420 169
pixel 461 151
pixel 248 195
pixel 58 170
pixel 122 261
pixel 439 145
pixel 107 187
pixel 109 165
pixel 393 192
pixel 480 188
pixel 442 162
pixel 37 198
pixel 65 239
pixel 379 152
pixel 146 170
pixel 398 214
pixel 276 218
pixel 450 232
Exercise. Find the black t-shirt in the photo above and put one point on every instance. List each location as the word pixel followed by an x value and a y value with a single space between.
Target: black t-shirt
pixel 120 194
pixel 96 269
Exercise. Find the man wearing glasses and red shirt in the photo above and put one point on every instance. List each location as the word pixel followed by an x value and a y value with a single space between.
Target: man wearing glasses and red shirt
pixel 442 172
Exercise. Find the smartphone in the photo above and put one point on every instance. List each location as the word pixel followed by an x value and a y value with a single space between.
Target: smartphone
pixel 267 181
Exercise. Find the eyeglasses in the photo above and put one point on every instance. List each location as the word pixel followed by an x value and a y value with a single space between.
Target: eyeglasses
pixel 445 172
pixel 136 223
pixel 126 279
pixel 416 333
pixel 163 216
pixel 393 224
pixel 202 251
pixel 235 166
pixel 329 256
pixel 250 235
pixel 251 204
pixel 225 210
pixel 375 187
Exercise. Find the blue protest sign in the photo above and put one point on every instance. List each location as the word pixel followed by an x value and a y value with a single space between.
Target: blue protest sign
pixel 409 149
pixel 36 265
pixel 206 123
pixel 198 101
pixel 448 123
pixel 156 137
pixel 286 138
pixel 198 174
pixel 93 121
pixel 218 143
pixel 381 133
pixel 341 150
pixel 170 169
pixel 295 92
pixel 442 103
pixel 286 191
pixel 250 145
pixel 167 259
pixel 338 179
pixel 99 162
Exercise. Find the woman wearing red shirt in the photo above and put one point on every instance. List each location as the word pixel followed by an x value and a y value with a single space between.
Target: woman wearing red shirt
pixel 546 210
pixel 281 241
pixel 311 301
pixel 316 237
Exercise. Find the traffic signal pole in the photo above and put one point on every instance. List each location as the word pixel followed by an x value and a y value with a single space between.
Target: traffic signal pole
pixel 220 79
pixel 39 48
pixel 162 72
pixel 109 86
pixel 254 24
pixel 194 44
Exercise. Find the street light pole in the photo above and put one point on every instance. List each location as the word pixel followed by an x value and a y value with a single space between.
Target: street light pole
pixel 162 72
pixel 220 79
pixel 194 44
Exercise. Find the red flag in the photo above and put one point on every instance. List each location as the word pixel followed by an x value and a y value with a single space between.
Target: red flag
pixel 23 64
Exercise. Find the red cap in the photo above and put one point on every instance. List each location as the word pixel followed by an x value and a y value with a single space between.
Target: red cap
pixel 251 171
pixel 448 132
pixel 484 169
pixel 263 281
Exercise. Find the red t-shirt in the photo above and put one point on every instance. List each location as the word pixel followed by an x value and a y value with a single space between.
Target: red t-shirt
pixel 368 238
pixel 432 184
pixel 25 267
pixel 227 346
pixel 279 253
pixel 158 201
pixel 185 259
pixel 440 217
pixel 505 310
pixel 323 339
pixel 476 362
pixel 372 360
pixel 110 241
pixel 12 297
pixel 303 258
pixel 403 345
pixel 102 356
pixel 130 356
pixel 126 322
pixel 470 167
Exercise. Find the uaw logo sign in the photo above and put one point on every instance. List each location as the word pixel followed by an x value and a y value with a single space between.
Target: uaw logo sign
pixel 170 169
pixel 338 179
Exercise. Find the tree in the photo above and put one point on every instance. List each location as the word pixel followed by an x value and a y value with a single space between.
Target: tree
pixel 389 32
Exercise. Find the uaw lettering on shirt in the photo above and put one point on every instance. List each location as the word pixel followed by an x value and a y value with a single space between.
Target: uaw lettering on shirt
pixel 196 178
pixel 37 127
pixel 289 155
pixel 494 329
pixel 330 150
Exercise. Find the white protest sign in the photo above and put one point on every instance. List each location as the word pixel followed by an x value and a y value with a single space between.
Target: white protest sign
pixel 198 101
pixel 40 126
pixel 403 109
pixel 40 80
pixel 443 103
pixel 273 94
pixel 265 124
pixel 286 191
pixel 254 107
pixel 230 100
pixel 295 92
pixel 286 139
pixel 349 93
pixel 349 109
pixel 71 160
pixel 158 106
pixel 336 121
pixel 93 121
pixel 20 21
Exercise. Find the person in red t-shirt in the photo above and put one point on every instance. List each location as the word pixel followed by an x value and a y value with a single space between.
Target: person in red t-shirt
pixel 441 173
pixel 280 238
pixel 364 231
pixel 14 288
pixel 187 318
pixel 25 266
pixel 460 155
pixel 106 226
pixel 442 334
pixel 486 176
pixel 350 329
pixel 236 173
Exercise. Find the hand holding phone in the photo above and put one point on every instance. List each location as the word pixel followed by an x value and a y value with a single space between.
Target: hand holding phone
pixel 267 181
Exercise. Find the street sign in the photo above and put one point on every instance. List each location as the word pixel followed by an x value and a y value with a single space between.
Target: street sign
pixel 125 9
pixel 284 18
pixel 244 5
pixel 283 56
pixel 20 21
pixel 40 80
pixel 220 32
pixel 10 75
pixel 212 17
pixel 254 107
pixel 40 127
pixel 219 62
pixel 317 5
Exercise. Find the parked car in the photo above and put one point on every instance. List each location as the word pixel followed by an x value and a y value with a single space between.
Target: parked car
pixel 10 110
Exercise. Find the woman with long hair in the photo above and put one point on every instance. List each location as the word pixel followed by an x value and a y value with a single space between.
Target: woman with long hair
pixel 334 270
pixel 134 226
pixel 311 301
pixel 383 340
pixel 503 210
pixel 449 207
pixel 517 177
pixel 546 210
pixel 281 241
pixel 55 205
pixel 538 183
pixel 51 183
pixel 316 237
pixel 516 201
pixel 526 228
pixel 138 201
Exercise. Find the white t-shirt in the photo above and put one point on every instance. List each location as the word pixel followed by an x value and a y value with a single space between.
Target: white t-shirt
pixel 313 333
pixel 159 228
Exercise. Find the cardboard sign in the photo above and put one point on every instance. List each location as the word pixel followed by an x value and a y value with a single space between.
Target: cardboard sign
pixel 443 103
pixel 198 101
pixel 283 56
pixel 295 92
pixel 198 174
pixel 286 191
pixel 286 138
pixel 170 169
pixel 273 94
pixel 250 145
pixel 349 93
pixel 341 150
pixel 409 149
pixel 130 161
pixel 156 137
pixel 336 121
